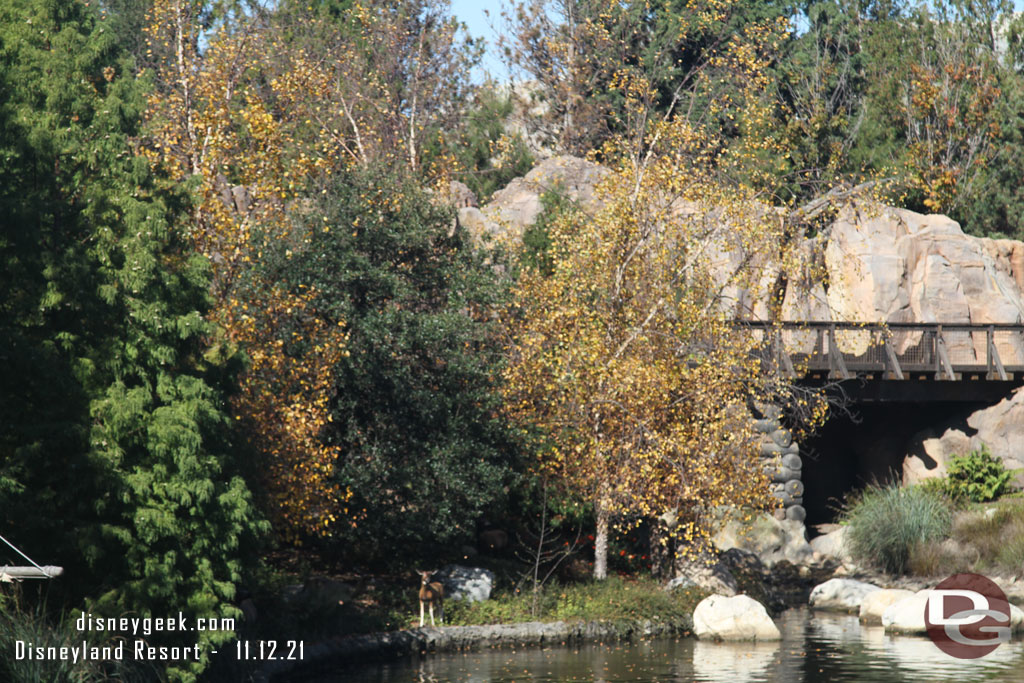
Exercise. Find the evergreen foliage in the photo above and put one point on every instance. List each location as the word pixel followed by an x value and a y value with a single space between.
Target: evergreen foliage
pixel 487 155
pixel 422 451
pixel 114 447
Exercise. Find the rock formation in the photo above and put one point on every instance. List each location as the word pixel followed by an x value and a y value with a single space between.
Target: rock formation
pixel 999 427
pixel 515 207
pixel 883 264
pixel 842 595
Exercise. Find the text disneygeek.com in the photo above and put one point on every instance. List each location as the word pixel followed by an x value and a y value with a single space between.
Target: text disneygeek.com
pixel 131 632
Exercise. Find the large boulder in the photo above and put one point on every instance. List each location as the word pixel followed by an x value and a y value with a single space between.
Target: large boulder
pixel 709 574
pixel 907 615
pixel 472 584
pixel 740 617
pixel 843 595
pixel 1000 428
pixel 875 603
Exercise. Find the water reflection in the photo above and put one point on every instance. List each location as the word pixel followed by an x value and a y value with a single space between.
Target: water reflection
pixel 912 658
pixel 734 662
pixel 815 648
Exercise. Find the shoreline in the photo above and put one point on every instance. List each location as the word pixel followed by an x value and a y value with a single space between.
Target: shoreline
pixel 345 651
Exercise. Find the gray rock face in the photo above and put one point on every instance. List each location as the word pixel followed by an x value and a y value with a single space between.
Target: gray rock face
pixel 740 617
pixel 472 584
pixel 516 206
pixel 999 427
pixel 892 265
pixel 843 595
pixel 711 576
pixel 772 540
pixel 460 196
pixel 883 264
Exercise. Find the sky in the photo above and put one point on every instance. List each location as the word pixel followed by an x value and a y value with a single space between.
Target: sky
pixel 472 13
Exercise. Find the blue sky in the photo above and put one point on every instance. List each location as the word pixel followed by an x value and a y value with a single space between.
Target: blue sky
pixel 471 12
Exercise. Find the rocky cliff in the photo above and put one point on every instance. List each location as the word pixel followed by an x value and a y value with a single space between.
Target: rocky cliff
pixel 882 264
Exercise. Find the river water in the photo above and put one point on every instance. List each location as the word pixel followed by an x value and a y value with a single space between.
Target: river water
pixel 816 647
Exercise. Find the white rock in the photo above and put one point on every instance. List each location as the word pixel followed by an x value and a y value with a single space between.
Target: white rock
pixel 472 584
pixel 876 602
pixel 718 617
pixel 844 595
pixel 833 544
pixel 907 615
pixel 517 206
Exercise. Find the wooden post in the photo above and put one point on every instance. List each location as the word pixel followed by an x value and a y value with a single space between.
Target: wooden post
pixel 782 356
pixel 892 361
pixel 835 356
pixel 942 358
pixel 993 356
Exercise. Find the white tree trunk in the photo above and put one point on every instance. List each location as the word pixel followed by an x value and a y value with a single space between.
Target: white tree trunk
pixel 601 542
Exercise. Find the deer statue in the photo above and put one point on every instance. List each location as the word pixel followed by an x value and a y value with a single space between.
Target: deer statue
pixel 431 592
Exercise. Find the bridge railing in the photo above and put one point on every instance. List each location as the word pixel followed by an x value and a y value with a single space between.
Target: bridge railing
pixel 895 350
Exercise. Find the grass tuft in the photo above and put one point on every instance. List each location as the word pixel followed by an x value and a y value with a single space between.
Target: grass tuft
pixel 886 524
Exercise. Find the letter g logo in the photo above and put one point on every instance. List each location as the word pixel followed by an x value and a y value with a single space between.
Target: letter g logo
pixel 967 616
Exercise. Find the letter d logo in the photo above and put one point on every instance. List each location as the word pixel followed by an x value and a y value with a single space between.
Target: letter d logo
pixel 967 616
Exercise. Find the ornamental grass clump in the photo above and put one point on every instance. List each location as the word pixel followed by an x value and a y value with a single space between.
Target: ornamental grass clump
pixel 887 522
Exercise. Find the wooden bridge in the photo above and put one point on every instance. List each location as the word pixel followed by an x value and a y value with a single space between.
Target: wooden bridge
pixel 929 361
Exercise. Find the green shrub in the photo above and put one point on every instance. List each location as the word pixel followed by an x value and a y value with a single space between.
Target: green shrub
pixel 977 477
pixel 886 523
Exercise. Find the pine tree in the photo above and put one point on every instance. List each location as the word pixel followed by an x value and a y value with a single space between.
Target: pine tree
pixel 114 457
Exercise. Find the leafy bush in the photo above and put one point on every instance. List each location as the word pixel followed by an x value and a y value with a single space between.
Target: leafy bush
pixel 977 476
pixel 886 523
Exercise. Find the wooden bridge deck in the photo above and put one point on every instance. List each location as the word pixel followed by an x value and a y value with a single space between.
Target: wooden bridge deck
pixel 894 351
